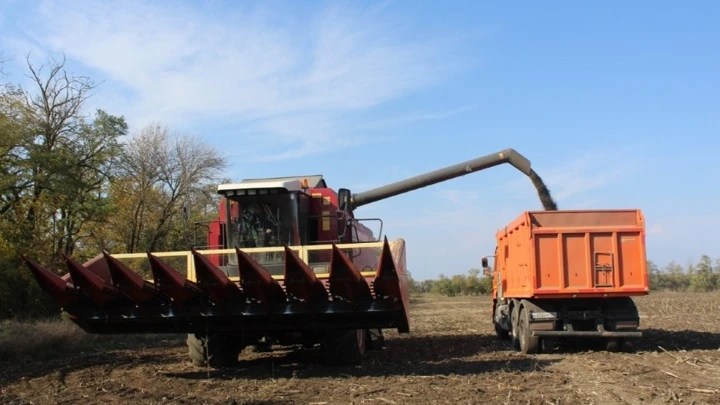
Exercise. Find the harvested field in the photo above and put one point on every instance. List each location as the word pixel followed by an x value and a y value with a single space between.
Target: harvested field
pixel 451 356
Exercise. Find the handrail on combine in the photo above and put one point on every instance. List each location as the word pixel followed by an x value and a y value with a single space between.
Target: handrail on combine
pixel 303 252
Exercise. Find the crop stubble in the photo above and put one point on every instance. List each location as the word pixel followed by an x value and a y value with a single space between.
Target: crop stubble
pixel 451 356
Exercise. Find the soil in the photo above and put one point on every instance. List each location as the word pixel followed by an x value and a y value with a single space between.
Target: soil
pixel 451 356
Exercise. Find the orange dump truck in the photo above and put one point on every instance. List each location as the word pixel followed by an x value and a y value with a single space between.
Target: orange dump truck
pixel 569 273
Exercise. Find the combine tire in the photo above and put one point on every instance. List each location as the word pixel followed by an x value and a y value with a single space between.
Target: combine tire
pixel 264 345
pixel 375 340
pixel 528 344
pixel 214 351
pixel 343 347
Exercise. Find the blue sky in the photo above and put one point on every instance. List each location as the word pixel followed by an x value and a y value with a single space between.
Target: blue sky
pixel 615 103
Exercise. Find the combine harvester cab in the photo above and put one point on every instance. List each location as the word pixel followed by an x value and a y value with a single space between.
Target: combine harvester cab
pixel 569 274
pixel 285 263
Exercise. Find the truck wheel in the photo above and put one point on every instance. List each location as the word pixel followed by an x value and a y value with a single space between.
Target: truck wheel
pixel 614 345
pixel 343 347
pixel 515 340
pixel 528 344
pixel 215 351
pixel 502 334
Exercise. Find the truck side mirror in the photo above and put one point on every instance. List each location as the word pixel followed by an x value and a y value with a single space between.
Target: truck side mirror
pixel 484 262
pixel 344 197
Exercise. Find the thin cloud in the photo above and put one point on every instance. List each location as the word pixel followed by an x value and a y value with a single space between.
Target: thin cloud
pixel 457 196
pixel 458 210
pixel 418 117
pixel 577 177
pixel 173 64
pixel 655 229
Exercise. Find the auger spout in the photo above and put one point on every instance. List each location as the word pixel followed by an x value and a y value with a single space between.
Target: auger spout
pixel 509 155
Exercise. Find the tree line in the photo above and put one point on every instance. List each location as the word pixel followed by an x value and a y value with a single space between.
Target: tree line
pixel 702 276
pixel 75 182
pixel 474 283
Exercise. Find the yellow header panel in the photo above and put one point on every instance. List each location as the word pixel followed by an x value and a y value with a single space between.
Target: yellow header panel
pixel 303 252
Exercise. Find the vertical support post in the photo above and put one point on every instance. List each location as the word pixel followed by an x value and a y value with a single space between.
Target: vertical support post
pixel 304 254
pixel 590 261
pixel 561 261
pixel 617 283
pixel 190 268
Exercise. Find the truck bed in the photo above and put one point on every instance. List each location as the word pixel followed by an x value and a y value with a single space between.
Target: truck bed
pixel 573 253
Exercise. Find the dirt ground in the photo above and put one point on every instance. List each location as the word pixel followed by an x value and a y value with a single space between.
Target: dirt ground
pixel 451 356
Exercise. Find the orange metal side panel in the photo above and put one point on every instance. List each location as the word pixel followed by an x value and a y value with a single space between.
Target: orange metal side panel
pixel 573 253
pixel 513 259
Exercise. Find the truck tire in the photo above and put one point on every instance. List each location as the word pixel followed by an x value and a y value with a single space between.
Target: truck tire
pixel 215 351
pixel 615 345
pixel 343 347
pixel 502 334
pixel 528 344
pixel 514 338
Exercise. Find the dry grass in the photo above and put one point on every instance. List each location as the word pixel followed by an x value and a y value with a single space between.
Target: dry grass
pixel 58 337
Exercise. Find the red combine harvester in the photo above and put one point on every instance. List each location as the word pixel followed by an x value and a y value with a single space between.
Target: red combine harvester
pixel 288 263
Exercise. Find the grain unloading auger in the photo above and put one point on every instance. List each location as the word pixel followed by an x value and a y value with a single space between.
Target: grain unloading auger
pixel 286 263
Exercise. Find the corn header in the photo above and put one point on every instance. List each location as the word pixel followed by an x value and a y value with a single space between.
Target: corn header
pixel 286 263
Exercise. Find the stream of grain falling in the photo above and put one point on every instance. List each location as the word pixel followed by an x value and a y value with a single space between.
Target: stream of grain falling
pixel 543 192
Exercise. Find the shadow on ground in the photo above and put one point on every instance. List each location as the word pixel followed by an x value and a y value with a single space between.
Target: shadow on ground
pixel 418 356
pixel 63 366
pixel 438 355
pixel 677 340
pixel 652 340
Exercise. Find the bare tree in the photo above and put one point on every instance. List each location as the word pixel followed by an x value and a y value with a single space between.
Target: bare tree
pixel 57 105
pixel 58 158
pixel 53 115
pixel 56 163
pixel 12 152
pixel 160 171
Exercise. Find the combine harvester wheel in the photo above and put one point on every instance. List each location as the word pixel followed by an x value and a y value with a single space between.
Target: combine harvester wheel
pixel 214 351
